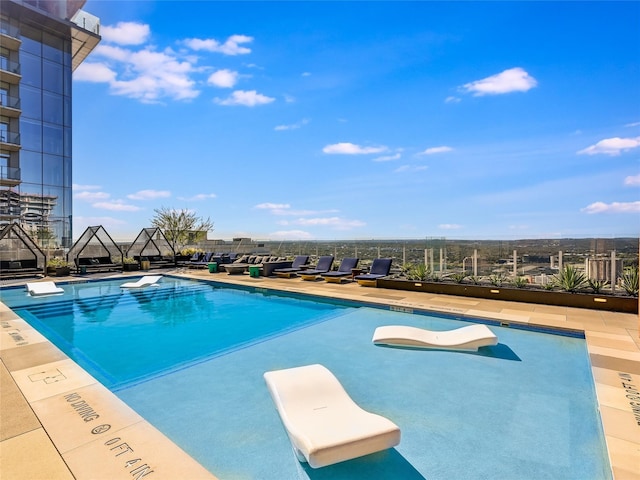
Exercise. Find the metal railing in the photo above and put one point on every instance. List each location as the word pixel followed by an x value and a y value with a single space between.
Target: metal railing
pixel 9 173
pixel 9 66
pixel 9 101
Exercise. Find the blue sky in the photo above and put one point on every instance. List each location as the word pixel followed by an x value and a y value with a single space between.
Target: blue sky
pixel 362 120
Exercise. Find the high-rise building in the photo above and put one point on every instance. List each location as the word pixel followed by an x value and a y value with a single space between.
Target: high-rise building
pixel 41 43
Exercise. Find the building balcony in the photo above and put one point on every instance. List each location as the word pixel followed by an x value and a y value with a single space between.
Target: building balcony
pixel 10 36
pixel 10 71
pixel 9 176
pixel 9 106
pixel 10 140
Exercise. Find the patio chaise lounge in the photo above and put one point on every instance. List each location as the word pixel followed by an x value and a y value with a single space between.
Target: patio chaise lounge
pixel 469 338
pixel 324 265
pixel 379 268
pixel 298 262
pixel 145 281
pixel 344 270
pixel 43 288
pixel 325 426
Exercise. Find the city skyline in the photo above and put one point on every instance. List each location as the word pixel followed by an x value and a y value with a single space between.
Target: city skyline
pixel 353 120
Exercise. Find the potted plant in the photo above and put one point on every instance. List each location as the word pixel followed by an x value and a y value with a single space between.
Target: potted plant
pixel 130 264
pixel 58 267
pixel 568 288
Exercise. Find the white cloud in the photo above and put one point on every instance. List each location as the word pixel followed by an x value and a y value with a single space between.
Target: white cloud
pixel 387 158
pixel 306 74
pixel 611 146
pixel 449 226
pixel 94 72
pixel 149 194
pixel 632 180
pixel 347 148
pixel 273 206
pixel 293 126
pixel 289 98
pixel 434 150
pixel 199 197
pixel 511 80
pixel 223 78
pixel 116 205
pixel 410 168
pixel 230 47
pixel 291 235
pixel 146 75
pixel 245 98
pixel 615 207
pixel 452 99
pixel 633 124
pixel 126 33
pixel 91 196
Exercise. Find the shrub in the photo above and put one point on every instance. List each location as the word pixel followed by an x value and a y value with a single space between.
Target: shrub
pixel 57 262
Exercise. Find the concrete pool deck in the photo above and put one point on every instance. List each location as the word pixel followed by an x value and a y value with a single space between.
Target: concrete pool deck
pixel 56 421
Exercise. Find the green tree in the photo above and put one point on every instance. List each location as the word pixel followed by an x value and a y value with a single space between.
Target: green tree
pixel 181 227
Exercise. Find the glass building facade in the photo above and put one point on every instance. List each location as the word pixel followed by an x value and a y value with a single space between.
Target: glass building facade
pixel 41 43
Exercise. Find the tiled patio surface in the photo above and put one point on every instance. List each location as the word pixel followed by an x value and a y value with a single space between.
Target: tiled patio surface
pixel 57 422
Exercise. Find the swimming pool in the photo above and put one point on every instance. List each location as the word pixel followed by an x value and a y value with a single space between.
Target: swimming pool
pixel 523 409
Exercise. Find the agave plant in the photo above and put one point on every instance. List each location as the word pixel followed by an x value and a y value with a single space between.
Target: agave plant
pixel 520 282
pixel 570 279
pixel 475 280
pixel 418 272
pixel 630 281
pixel 458 277
pixel 497 279
pixel 597 285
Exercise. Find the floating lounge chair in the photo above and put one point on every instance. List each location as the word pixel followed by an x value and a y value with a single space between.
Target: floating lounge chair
pixel 344 270
pixel 324 265
pixel 465 338
pixel 36 289
pixel 145 281
pixel 324 424
pixel 296 266
pixel 379 268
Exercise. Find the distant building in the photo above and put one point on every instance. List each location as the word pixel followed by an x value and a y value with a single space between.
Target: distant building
pixel 41 43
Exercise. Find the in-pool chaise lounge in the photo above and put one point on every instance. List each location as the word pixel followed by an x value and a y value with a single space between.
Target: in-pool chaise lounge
pixel 43 288
pixel 324 424
pixel 379 268
pixel 344 270
pixel 296 266
pixel 145 281
pixel 469 338
pixel 324 265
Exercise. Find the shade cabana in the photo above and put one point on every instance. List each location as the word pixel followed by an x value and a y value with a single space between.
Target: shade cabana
pixel 20 256
pixel 95 250
pixel 152 244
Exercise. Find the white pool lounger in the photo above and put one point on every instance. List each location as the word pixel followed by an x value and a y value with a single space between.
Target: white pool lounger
pixel 465 338
pixel 324 424
pixel 43 288
pixel 145 281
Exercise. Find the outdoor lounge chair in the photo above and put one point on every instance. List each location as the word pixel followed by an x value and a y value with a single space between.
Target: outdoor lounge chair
pixel 145 281
pixel 324 265
pixel 36 289
pixel 325 426
pixel 344 270
pixel 295 267
pixel 379 268
pixel 468 338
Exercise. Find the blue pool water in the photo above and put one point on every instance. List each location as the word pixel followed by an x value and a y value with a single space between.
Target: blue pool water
pixel 523 409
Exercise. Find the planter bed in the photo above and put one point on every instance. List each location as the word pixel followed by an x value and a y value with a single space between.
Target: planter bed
pixel 614 303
